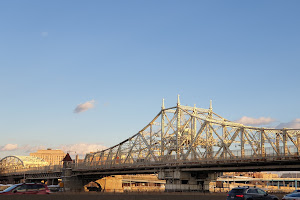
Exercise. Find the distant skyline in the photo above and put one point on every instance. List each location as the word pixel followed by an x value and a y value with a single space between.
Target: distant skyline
pixel 83 76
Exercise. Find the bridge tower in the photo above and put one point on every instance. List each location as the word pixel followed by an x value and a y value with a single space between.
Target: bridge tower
pixel 178 132
pixel 71 183
pixel 176 179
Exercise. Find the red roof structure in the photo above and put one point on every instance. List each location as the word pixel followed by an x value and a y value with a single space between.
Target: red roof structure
pixel 67 158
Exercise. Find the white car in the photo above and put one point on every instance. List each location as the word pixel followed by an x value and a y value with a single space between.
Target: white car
pixel 292 196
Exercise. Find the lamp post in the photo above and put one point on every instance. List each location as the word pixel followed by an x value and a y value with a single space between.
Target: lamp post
pixel 296 183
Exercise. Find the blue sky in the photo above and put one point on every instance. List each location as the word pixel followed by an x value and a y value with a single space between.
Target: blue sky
pixel 125 56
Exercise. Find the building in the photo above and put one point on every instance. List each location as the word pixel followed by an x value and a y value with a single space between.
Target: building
pixel 127 183
pixel 53 157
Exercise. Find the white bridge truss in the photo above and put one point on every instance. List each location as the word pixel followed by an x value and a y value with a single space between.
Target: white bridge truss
pixel 183 133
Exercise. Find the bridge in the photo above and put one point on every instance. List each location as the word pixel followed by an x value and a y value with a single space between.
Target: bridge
pixel 186 146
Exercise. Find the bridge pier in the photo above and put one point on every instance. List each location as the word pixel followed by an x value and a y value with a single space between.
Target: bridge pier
pixel 178 180
pixel 71 183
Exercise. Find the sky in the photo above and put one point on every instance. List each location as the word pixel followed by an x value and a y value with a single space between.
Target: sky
pixel 85 75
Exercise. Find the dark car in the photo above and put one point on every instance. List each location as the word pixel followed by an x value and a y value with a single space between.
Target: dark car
pixel 292 196
pixel 249 193
pixel 26 188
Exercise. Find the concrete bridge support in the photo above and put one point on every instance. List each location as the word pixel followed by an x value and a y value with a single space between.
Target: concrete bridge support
pixel 177 180
pixel 71 183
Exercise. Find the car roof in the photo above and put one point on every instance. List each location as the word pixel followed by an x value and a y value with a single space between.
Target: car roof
pixel 242 187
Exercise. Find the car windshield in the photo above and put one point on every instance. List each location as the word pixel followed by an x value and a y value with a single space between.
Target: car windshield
pixel 236 191
pixel 10 188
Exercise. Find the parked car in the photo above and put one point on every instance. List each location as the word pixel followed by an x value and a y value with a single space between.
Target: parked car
pixel 54 188
pixel 26 188
pixel 249 193
pixel 292 196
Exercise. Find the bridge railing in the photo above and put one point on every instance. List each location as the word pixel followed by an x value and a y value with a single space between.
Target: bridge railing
pixel 33 170
pixel 249 155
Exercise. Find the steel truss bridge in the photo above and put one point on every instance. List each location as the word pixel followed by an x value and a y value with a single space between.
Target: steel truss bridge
pixel 190 134
pixel 187 139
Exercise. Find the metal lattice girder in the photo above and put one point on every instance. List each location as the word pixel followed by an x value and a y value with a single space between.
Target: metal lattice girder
pixel 21 162
pixel 183 133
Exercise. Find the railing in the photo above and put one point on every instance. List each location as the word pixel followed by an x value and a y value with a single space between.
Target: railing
pixel 249 155
pixel 33 170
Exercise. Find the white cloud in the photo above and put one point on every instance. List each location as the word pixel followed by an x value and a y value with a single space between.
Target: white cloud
pixel 44 34
pixel 84 106
pixel 30 149
pixel 18 149
pixel 292 124
pixel 9 147
pixel 81 149
pixel 253 121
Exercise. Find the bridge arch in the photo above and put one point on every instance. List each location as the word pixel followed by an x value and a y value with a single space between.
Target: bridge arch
pixel 20 162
